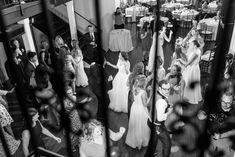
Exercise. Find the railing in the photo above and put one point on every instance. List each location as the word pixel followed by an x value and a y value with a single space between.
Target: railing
pixel 10 3
pixel 81 16
pixel 212 96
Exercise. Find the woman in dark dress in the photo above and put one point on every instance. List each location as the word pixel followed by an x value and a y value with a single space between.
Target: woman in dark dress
pixel 146 40
pixel 118 17
pixel 45 56
pixel 38 130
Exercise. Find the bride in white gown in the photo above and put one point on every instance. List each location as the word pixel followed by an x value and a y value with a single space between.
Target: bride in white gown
pixel 118 95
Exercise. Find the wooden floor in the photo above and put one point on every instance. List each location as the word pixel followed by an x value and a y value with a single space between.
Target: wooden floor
pixel 118 120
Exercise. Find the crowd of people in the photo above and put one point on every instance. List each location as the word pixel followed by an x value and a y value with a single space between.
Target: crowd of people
pixel 130 92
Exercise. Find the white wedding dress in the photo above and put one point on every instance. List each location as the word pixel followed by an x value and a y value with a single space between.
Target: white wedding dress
pixel 118 95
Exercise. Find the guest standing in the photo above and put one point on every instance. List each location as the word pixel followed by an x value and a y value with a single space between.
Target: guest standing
pixel 118 17
pixel 89 46
pixel 145 40
pixel 80 75
pixel 137 70
pixel 138 131
pixel 118 95
pixel 161 37
pixel 162 112
pixel 177 84
pixel 192 74
pixel 29 70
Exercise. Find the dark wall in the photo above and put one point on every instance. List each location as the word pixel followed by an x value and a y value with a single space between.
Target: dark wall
pixel 227 13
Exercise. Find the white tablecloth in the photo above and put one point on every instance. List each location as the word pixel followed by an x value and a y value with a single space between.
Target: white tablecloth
pixel 212 25
pixel 136 10
pixel 183 1
pixel 212 7
pixel 184 14
pixel 150 18
pixel 120 40
pixel 172 6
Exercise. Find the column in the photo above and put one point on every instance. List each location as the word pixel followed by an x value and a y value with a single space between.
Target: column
pixel 71 17
pixel 27 37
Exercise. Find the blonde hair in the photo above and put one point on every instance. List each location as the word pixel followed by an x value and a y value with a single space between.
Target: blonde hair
pixel 140 83
pixel 59 41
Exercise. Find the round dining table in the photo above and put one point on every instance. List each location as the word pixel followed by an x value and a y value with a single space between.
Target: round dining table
pixel 211 25
pixel 151 18
pixel 172 6
pixel 184 14
pixel 136 10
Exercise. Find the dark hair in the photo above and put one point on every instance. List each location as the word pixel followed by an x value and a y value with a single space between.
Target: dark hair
pixel 138 68
pixel 41 76
pixel 160 83
pixel 178 74
pixel 124 55
pixel 31 54
pixel 145 26
pixel 195 42
pixel 229 56
pixel 178 51
pixel 116 13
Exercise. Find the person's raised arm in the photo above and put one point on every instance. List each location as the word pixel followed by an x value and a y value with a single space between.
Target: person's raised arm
pixel 25 142
pixel 110 64
pixel 46 132
pixel 168 39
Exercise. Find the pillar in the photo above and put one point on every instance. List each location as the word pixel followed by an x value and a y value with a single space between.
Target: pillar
pixel 72 21
pixel 27 37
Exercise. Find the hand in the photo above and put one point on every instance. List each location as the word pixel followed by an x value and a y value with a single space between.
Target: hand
pixel 58 140
pixel 216 136
pixel 110 78
pixel 92 43
pixel 12 90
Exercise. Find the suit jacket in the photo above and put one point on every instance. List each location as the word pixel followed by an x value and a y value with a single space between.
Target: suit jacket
pixel 29 70
pixel 87 39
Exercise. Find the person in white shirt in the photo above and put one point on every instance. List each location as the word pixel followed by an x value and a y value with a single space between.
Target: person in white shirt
pixel 162 111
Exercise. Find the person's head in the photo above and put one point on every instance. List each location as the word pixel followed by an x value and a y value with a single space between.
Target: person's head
pixel 90 29
pixel 138 69
pixel 226 102
pixel 229 57
pixel 175 70
pixel 44 44
pixel 194 32
pixel 140 82
pixel 194 44
pixel 15 43
pixel 145 26
pixel 123 56
pixel 32 56
pixel 164 88
pixel 59 42
pixel 74 43
pixel 41 76
pixel 68 78
pixel 118 10
pixel 65 49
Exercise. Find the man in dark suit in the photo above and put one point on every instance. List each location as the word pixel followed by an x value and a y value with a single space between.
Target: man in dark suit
pixel 89 46
pixel 30 68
